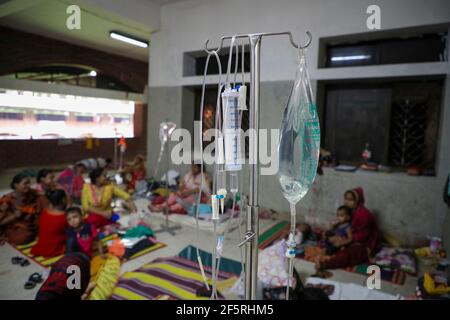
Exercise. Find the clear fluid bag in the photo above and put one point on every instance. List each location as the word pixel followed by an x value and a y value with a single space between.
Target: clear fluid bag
pixel 299 145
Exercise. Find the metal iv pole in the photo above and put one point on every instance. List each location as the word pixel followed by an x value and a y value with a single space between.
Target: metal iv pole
pixel 251 234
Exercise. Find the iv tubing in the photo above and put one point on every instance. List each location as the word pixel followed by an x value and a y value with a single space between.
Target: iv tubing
pixel 215 258
pixel 227 229
pixel 233 211
pixel 236 65
pixel 242 62
pixel 291 260
pixel 201 155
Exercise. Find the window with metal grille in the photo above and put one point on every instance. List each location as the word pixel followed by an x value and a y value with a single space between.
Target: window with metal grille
pixel 408 127
pixel 399 120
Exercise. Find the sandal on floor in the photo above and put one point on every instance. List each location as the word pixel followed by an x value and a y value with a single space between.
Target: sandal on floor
pixel 29 285
pixel 19 260
pixel 34 279
pixel 25 263
pixel 16 260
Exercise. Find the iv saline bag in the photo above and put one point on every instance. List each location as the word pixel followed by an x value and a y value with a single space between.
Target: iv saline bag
pixel 299 144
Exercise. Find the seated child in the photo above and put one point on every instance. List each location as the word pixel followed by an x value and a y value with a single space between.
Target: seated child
pixel 341 230
pixel 81 236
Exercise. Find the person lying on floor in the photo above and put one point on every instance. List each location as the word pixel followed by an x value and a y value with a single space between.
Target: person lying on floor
pixel 71 179
pixel 19 211
pixel 365 236
pixel 56 286
pixel 98 163
pixel 188 190
pixel 52 226
pixel 97 196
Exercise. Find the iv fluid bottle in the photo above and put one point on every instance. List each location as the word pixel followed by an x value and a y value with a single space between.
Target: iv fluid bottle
pixel 299 144
pixel 231 130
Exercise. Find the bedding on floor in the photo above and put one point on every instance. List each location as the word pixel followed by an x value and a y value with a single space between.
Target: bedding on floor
pixel 171 278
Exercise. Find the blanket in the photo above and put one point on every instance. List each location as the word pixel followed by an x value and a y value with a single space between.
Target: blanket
pixel 172 278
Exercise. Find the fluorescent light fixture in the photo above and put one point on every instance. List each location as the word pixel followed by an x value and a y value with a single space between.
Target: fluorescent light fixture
pixel 128 39
pixel 350 58
pixel 93 73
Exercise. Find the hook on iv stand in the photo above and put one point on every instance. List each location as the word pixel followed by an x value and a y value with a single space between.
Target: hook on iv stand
pixel 304 46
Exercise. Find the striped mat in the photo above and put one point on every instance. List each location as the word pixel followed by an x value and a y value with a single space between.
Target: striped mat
pixel 175 278
pixel 46 262
pixel 394 276
pixel 274 233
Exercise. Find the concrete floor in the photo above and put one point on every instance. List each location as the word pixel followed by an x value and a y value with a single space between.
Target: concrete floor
pixel 12 278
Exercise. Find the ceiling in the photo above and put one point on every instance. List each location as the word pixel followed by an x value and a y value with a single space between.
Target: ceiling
pixel 48 18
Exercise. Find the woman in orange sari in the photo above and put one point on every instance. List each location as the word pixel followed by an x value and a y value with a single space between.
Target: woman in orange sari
pixel 19 211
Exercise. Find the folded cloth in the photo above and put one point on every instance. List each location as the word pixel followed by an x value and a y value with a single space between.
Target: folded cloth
pixel 138 232
pixel 130 242
pixel 141 245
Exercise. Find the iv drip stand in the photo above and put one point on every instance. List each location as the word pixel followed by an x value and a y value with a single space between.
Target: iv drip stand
pixel 251 238
pixel 165 226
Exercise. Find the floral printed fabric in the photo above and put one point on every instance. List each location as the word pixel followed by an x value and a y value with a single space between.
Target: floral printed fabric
pixel 396 259
pixel 272 266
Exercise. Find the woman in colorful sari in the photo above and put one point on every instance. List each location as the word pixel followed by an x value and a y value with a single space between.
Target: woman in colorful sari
pixel 365 236
pixel 19 211
pixel 97 196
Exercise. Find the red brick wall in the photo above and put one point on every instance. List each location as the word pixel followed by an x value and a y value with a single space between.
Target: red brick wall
pixel 20 50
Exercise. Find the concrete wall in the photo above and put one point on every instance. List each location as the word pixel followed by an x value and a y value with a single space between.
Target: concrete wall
pixel 408 206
